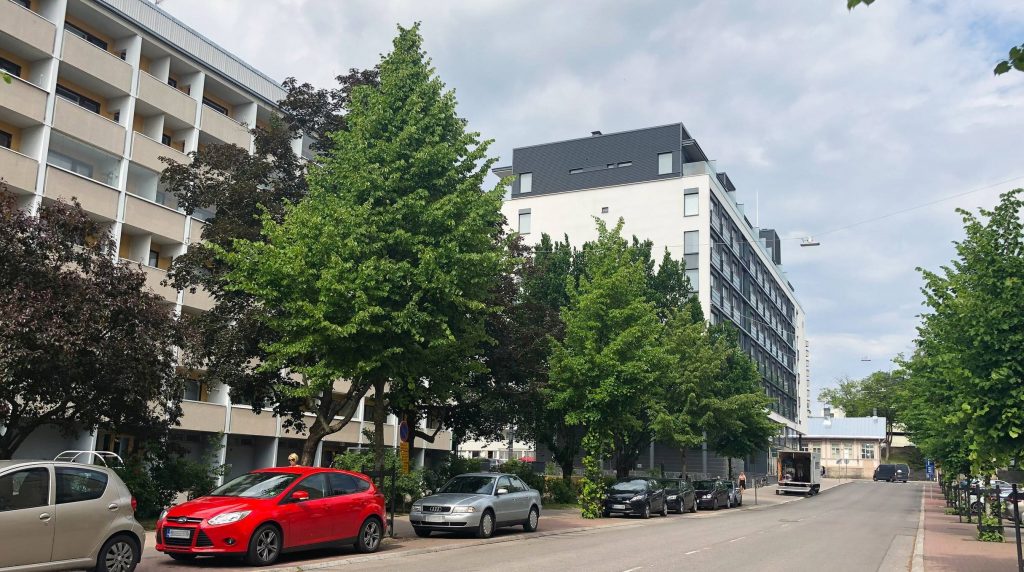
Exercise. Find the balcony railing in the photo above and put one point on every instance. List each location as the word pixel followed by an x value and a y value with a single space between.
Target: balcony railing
pixel 27 26
pixel 97 62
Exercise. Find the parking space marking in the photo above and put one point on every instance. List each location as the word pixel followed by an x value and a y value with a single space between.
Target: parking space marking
pixel 735 539
pixel 692 552
pixel 633 569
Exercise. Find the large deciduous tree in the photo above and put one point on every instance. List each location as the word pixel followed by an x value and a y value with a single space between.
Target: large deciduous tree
pixel 83 343
pixel 392 255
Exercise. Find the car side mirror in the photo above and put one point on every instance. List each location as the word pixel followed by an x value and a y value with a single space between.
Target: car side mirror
pixel 502 491
pixel 299 496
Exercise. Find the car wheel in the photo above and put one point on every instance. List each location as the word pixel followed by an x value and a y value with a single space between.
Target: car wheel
pixel 370 535
pixel 664 509
pixel 119 554
pixel 532 521
pixel 606 514
pixel 486 527
pixel 182 557
pixel 421 532
pixel 647 512
pixel 264 546
pixel 694 507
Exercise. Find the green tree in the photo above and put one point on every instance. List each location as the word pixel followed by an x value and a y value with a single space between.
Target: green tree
pixel 392 254
pixel 1014 60
pixel 969 341
pixel 879 393
pixel 612 355
pixel 83 342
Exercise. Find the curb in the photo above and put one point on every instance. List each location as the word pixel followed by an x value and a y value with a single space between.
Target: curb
pixel 917 560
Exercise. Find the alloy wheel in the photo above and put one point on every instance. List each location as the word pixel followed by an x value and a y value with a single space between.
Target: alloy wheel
pixel 487 525
pixel 267 545
pixel 534 518
pixel 120 557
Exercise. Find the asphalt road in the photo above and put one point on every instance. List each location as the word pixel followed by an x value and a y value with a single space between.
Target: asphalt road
pixel 861 526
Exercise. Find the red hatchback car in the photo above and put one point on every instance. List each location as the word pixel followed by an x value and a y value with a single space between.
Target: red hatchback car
pixel 264 513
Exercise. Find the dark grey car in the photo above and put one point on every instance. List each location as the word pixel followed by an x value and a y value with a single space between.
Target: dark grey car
pixel 477 503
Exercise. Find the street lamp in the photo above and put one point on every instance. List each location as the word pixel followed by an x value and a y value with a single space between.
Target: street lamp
pixel 809 241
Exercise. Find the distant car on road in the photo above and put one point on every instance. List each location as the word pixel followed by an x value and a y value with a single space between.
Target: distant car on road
pixel 261 514
pixel 884 472
pixel 679 495
pixel 477 503
pixel 735 493
pixel 902 473
pixel 636 496
pixel 711 494
pixel 57 515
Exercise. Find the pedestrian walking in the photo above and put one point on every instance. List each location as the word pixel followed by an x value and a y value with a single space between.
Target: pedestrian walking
pixel 743 480
pixel 293 460
pixel 823 470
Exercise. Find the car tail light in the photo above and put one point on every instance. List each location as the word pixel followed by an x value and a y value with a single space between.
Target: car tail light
pixel 135 504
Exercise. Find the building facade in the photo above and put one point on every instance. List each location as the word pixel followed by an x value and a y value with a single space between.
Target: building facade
pixel 101 90
pixel 850 447
pixel 661 183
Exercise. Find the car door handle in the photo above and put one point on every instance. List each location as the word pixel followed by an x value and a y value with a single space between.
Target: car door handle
pixel 45 517
pixel 112 506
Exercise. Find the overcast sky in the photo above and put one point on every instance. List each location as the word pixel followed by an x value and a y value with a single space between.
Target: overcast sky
pixel 831 117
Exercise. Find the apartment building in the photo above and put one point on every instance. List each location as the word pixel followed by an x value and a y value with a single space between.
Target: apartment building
pixel 667 190
pixel 101 90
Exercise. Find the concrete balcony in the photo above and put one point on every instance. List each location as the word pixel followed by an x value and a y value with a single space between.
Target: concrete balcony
pixel 154 277
pixel 158 219
pixel 348 433
pixel 96 198
pixel 27 26
pixel 442 442
pixel 22 98
pixel 166 98
pixel 202 416
pixel 195 232
pixel 97 63
pixel 245 422
pixel 85 125
pixel 225 129
pixel 147 153
pixel 201 300
pixel 18 170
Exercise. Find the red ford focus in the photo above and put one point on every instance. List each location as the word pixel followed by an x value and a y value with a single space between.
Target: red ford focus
pixel 261 514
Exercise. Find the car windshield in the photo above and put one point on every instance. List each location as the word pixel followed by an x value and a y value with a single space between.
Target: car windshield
pixel 630 486
pixel 670 485
pixel 255 486
pixel 469 484
pixel 704 485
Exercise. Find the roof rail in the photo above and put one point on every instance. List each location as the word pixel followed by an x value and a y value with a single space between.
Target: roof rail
pixel 101 456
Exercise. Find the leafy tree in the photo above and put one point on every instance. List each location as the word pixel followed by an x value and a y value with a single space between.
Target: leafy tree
pixel 1014 61
pixel 969 342
pixel 603 371
pixel 83 343
pixel 392 255
pixel 241 189
pixel 880 392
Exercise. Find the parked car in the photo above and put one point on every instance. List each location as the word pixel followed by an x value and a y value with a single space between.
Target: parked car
pixel 261 514
pixel 65 516
pixel 902 473
pixel 477 503
pixel 679 495
pixel 1009 500
pixel 735 494
pixel 711 494
pixel 884 472
pixel 635 496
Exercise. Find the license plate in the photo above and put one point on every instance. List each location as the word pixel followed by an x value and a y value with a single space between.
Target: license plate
pixel 619 506
pixel 178 533
pixel 435 518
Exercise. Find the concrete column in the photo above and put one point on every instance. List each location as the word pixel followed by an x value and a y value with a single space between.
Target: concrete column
pixel 160 68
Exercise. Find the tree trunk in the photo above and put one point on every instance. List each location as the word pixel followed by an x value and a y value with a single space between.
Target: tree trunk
pixel 729 459
pixel 380 414
pixel 309 446
pixel 567 467
pixel 682 472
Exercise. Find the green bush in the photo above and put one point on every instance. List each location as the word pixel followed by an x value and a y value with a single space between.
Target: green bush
pixel 451 466
pixel 406 486
pixel 159 471
pixel 525 472
pixel 561 492
pixel 990 535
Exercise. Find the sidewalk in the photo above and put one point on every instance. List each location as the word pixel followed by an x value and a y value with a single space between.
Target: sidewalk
pixel 952 545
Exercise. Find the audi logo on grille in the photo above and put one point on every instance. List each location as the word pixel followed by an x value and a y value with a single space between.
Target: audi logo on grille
pixel 437 509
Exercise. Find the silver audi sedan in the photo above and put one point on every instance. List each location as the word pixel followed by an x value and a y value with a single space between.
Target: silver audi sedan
pixel 477 503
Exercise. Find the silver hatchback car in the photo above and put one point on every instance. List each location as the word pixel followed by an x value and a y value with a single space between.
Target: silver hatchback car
pixel 477 503
pixel 57 515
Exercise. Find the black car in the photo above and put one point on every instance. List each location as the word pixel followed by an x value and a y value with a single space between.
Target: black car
pixel 679 495
pixel 711 493
pixel 902 473
pixel 637 496
pixel 884 473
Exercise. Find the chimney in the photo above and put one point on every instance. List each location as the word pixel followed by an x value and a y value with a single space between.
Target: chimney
pixel 595 133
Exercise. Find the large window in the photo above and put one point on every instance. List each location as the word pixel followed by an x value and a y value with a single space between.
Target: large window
pixel 525 182
pixel 85 160
pixel 6 139
pixel 691 255
pixel 664 163
pixel 835 452
pixel 867 450
pixel 215 106
pixel 78 99
pixel 690 197
pixel 525 220
pixel 10 67
pixel 98 42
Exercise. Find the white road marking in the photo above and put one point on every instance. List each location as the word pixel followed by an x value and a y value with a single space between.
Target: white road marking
pixel 692 552
pixel 633 569
pixel 735 539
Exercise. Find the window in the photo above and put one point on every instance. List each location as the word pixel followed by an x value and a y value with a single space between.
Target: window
pixel 690 197
pixel 525 182
pixel 867 450
pixel 314 485
pixel 690 242
pixel 10 67
pixel 847 451
pixel 193 391
pixel 610 166
pixel 85 35
pixel 816 449
pixel 574 171
pixel 67 163
pixel 172 82
pixel 517 486
pixel 165 139
pixel 604 210
pixel 25 3
pixel 664 163
pixel 342 484
pixel 626 164
pixel 215 106
pixel 835 451
pixel 5 139
pixel 78 99
pixel 693 275
pixel 524 222
pixel 154 258
pixel 29 488
pixel 504 483
pixel 77 485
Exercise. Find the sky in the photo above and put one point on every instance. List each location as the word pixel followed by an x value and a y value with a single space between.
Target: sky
pixel 823 117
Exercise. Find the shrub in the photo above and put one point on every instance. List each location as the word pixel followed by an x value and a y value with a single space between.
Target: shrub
pixel 993 534
pixel 525 472
pixel 451 466
pixel 158 472
pixel 409 485
pixel 561 492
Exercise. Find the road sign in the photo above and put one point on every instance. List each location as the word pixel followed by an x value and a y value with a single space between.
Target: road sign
pixel 404 454
pixel 929 469
pixel 403 431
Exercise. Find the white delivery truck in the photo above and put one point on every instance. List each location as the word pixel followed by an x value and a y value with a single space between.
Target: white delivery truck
pixel 799 472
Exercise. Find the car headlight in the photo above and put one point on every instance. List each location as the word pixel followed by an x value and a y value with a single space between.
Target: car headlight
pixel 416 507
pixel 637 498
pixel 707 496
pixel 228 517
pixel 163 514
pixel 464 509
pixel 673 497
